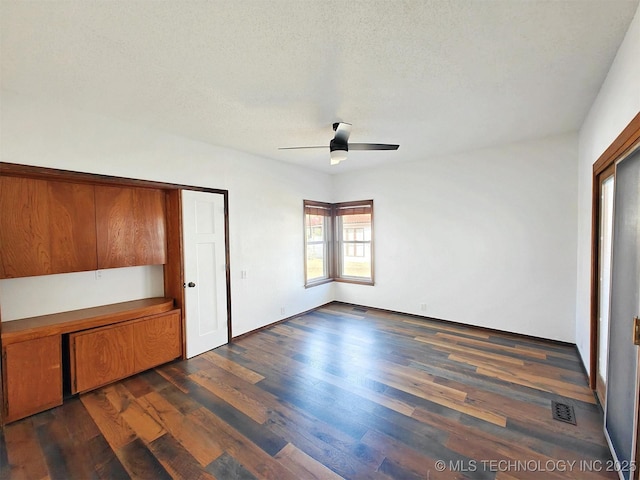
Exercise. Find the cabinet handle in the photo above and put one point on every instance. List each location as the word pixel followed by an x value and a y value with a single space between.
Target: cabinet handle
pixel 191 284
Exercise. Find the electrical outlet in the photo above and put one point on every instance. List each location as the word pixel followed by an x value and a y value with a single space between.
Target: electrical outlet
pixel 423 307
pixel 98 274
pixel 282 310
pixel 243 274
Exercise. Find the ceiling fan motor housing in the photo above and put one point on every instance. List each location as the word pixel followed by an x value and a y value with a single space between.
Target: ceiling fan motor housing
pixel 338 145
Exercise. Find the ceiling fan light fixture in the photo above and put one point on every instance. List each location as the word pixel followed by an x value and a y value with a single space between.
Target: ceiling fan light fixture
pixel 338 150
pixel 338 156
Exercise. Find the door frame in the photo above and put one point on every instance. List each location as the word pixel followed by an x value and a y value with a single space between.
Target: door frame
pixel 174 268
pixel 626 142
pixel 623 145
pixel 176 245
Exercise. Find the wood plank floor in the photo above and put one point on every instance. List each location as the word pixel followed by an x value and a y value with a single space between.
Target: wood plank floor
pixel 336 393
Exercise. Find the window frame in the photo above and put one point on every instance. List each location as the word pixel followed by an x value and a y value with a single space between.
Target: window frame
pixel 334 250
pixel 327 241
pixel 340 242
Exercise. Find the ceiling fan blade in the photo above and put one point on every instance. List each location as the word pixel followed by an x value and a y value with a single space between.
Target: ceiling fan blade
pixel 343 130
pixel 372 146
pixel 296 148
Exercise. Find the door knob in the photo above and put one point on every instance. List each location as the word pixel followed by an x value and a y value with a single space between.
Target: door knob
pixel 191 284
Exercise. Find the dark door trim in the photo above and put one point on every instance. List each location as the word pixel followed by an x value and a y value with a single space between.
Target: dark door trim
pixel 621 146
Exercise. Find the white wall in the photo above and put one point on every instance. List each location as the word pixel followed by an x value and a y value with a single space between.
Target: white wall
pixel 31 296
pixel 265 208
pixel 486 238
pixel 615 106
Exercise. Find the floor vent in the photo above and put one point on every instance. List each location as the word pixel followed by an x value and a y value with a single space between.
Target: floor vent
pixel 563 412
pixel 359 309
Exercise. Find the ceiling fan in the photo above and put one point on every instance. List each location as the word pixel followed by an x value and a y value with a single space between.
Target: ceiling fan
pixel 339 145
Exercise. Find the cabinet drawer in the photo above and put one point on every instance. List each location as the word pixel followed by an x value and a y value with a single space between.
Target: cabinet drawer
pixel 101 356
pixel 33 376
pixel 157 340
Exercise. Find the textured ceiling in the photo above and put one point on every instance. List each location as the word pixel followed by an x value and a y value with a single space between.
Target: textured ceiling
pixel 436 77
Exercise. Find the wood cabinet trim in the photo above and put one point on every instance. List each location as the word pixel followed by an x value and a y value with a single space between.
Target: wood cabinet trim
pixel 127 322
pixel 173 271
pixel 67 322
pixel 45 173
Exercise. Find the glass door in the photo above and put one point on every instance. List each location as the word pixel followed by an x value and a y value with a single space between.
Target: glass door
pixel 621 409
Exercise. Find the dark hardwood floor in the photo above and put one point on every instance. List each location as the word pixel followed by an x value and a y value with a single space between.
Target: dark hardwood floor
pixel 330 394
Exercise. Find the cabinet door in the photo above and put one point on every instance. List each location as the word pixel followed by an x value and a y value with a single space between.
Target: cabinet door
pixel 130 226
pixel 115 227
pixel 33 376
pixel 157 340
pixel 150 226
pixel 24 228
pixel 46 227
pixel 72 220
pixel 101 356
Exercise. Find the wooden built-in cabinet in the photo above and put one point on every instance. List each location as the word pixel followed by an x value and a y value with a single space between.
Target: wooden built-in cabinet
pixel 32 376
pixel 103 355
pixel 59 221
pixel 49 227
pixel 106 344
pixel 46 227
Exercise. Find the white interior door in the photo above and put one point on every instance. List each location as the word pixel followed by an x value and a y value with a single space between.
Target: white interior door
pixel 204 271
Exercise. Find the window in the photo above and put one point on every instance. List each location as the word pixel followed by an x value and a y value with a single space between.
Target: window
pixel 318 237
pixel 353 232
pixel 338 242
